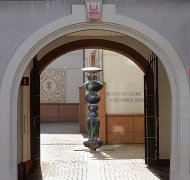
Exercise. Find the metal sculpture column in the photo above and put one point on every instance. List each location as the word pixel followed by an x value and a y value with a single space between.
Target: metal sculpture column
pixel 92 86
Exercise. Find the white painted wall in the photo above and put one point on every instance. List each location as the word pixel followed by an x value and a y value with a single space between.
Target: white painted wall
pixel 124 84
pixel 73 63
pixel 19 19
pixel 19 52
pixel 122 75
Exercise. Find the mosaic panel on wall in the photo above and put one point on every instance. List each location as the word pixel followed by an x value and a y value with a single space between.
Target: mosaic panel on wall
pixel 52 86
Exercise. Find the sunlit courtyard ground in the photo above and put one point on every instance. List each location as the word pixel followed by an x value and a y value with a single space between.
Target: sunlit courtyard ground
pixel 63 157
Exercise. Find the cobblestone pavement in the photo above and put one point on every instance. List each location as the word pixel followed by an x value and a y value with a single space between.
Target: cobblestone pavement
pixel 63 157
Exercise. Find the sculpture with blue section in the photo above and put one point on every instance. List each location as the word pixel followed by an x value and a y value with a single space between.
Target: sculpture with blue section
pixel 92 86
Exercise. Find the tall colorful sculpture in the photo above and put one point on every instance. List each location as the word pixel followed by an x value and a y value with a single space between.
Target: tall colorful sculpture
pixel 92 86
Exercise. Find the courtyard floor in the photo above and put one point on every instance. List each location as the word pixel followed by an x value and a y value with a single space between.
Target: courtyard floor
pixel 64 157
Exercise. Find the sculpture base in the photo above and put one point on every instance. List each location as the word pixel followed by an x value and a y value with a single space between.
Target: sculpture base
pixel 93 144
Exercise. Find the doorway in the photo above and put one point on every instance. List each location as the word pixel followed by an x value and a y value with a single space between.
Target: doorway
pixel 169 59
pixel 172 89
pixel 93 43
pixel 134 56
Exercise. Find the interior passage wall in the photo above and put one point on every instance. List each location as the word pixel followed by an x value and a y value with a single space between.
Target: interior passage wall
pixel 71 63
pixel 164 113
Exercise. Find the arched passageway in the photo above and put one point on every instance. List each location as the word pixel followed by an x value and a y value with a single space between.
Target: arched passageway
pixel 128 28
pixel 97 42
pixel 94 43
pixel 129 52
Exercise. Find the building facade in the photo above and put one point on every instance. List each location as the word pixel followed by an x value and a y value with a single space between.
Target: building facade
pixel 49 29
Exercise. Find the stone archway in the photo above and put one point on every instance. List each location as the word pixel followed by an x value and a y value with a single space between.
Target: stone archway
pixel 94 43
pixel 133 55
pixel 111 22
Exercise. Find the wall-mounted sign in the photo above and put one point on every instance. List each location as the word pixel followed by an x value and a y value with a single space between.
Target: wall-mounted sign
pixel 124 98
pixel 25 81
pixel 93 10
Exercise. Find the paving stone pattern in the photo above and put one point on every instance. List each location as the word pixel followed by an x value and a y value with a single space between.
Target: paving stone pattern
pixel 63 157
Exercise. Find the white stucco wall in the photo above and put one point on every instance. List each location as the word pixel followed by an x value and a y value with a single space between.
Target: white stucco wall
pixel 19 19
pixel 73 63
pixel 159 43
pixel 123 76
pixel 170 18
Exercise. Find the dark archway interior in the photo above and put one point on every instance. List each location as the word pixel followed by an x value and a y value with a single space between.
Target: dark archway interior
pixel 94 43
pixel 123 49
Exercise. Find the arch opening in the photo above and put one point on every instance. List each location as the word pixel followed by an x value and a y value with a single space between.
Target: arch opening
pixel 168 57
pixel 48 59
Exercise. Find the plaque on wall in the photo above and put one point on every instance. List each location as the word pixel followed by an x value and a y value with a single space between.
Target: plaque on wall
pixel 93 10
pixel 52 86
pixel 25 81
